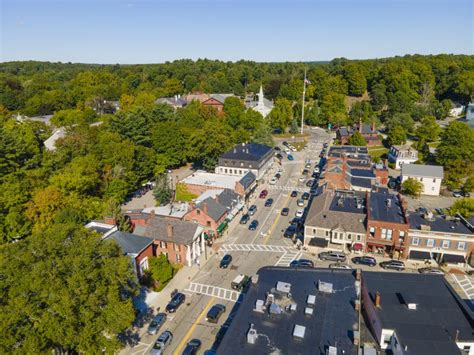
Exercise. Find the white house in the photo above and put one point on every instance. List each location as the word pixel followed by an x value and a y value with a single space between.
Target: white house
pixel 470 112
pixel 402 154
pixel 429 175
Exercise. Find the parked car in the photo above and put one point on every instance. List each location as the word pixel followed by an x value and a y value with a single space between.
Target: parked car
pixel 252 210
pixel 313 190
pixel 263 194
pixel 302 263
pixel 290 157
pixel 294 193
pixel 285 211
pixel 308 165
pixel 339 266
pixel 269 202
pixel 296 222
pixel 163 341
pixel 325 145
pixel 290 231
pixel 244 219
pixel 309 183
pixel 287 151
pixel 316 170
pixel 457 194
pixel 293 149
pixel 175 302
pixel 315 175
pixel 305 172
pixel 240 282
pixel 332 256
pixel 393 265
pixel 466 193
pixel 364 260
pixel 215 312
pixel 253 225
pixel 300 202
pixel 430 271
pixel 277 148
pixel 285 143
pixel 273 181
pixel 278 175
pixel 305 196
pixel 299 212
pixel 192 347
pixel 225 261
pixel 156 323
pixel 302 178
pixel 279 156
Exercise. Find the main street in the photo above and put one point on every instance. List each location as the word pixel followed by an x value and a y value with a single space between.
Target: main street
pixel 250 250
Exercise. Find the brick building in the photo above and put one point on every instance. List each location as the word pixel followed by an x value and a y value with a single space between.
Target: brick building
pixel 217 101
pixel 370 134
pixel 443 239
pixel 387 224
pixel 209 214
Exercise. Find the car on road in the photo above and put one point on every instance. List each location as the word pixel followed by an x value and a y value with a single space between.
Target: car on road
pixel 156 323
pixel 364 260
pixel 240 282
pixel 225 261
pixel 332 256
pixel 263 194
pixel 339 266
pixel 430 271
pixel 244 219
pixel 192 347
pixel 285 211
pixel 300 202
pixel 163 341
pixel 290 157
pixel 294 193
pixel 175 302
pixel 273 181
pixel 302 263
pixel 299 212
pixel 269 202
pixel 215 312
pixel 253 225
pixel 252 210
pixel 290 232
pixel 393 265
pixel 305 196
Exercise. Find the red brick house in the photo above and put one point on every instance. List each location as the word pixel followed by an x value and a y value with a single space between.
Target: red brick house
pixel 367 131
pixel 209 214
pixel 216 101
pixel 387 224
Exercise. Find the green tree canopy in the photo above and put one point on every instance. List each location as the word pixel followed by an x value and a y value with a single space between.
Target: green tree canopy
pixel 357 139
pixel 412 187
pixel 397 135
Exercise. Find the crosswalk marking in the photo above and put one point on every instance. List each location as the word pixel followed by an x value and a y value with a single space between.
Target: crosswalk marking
pixel 465 284
pixel 213 291
pixel 254 247
pixel 288 188
pixel 287 258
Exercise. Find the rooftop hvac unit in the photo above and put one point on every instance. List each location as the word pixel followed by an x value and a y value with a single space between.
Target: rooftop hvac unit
pixel 325 287
pixel 311 300
pixel 308 311
pixel 259 306
pixel 298 331
pixel 332 350
pixel 252 334
pixel 283 287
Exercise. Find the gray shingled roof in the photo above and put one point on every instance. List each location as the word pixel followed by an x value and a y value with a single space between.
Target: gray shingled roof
pixel 247 180
pixel 320 215
pixel 130 243
pixel 214 209
pixel 228 199
pixel 156 228
pixel 423 170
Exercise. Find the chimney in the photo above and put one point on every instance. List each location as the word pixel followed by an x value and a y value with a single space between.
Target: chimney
pixel 204 207
pixel 377 299
pixel 169 230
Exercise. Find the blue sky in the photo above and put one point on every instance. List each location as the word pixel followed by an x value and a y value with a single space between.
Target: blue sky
pixel 154 31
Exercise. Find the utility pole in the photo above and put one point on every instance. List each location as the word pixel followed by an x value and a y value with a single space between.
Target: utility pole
pixel 302 106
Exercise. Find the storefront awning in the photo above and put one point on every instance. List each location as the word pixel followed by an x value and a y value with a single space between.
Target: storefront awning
pixel 222 226
pixel 453 259
pixel 357 246
pixel 318 242
pixel 420 255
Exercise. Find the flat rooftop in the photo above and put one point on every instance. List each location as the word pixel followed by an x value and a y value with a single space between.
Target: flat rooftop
pixel 330 324
pixel 177 210
pixel 204 178
pixel 385 207
pixel 440 224
pixel 350 149
pixel 248 152
pixel 348 201
pixel 430 328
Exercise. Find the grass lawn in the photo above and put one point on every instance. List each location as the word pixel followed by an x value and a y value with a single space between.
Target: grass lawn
pixel 299 145
pixel 182 193
pixel 379 152
pixel 434 144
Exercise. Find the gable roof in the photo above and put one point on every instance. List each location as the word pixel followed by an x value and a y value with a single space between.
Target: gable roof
pixel 228 199
pixel 423 170
pixel 130 243
pixel 247 180
pixel 157 228
pixel 214 209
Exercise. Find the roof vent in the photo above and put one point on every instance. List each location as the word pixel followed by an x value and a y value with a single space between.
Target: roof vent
pixel 325 286
pixel 412 306
pixel 311 300
pixel 252 334
pixel 259 304
pixel 298 331
pixel 308 311
pixel 332 350
pixel 284 287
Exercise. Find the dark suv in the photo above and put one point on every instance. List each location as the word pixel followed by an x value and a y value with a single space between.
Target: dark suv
pixel 175 302
pixel 244 219
pixel 215 312
pixel 290 231
pixel 302 263
pixel 225 261
pixel 364 260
